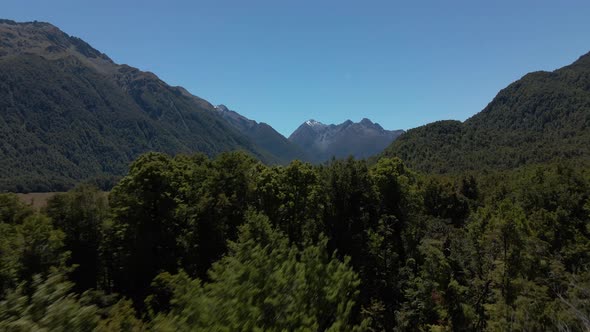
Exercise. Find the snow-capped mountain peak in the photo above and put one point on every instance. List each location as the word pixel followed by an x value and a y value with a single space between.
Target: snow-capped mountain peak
pixel 314 123
pixel 361 139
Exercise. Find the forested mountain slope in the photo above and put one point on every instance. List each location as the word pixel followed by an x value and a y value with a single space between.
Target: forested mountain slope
pixel 542 117
pixel 69 113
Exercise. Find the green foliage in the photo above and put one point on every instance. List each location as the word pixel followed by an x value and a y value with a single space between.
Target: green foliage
pixel 51 306
pixel 443 200
pixel 345 246
pixel 141 237
pixel 171 212
pixel 303 202
pixel 80 214
pixel 225 196
pixel 12 210
pixel 266 284
pixel 294 199
pixel 29 248
pixel 120 317
pixel 351 207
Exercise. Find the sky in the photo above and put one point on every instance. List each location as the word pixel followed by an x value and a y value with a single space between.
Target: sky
pixel 402 64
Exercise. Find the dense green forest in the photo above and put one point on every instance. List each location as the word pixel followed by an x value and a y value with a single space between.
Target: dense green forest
pixel 230 244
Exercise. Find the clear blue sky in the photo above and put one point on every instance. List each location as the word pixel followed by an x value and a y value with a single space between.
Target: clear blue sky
pixel 399 63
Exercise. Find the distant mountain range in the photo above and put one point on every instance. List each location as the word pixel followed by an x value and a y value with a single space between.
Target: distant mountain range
pixel 360 140
pixel 543 117
pixel 314 141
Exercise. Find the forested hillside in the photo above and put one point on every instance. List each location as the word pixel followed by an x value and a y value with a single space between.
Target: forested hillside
pixel 545 116
pixel 68 114
pixel 192 243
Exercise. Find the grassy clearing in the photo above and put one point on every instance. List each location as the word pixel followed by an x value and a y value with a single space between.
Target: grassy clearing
pixel 36 200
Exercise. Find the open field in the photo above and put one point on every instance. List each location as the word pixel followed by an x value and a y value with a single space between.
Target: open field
pixel 37 200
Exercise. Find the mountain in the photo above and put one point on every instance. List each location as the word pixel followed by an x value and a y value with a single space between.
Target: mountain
pixel 69 113
pixel 264 136
pixel 544 116
pixel 361 140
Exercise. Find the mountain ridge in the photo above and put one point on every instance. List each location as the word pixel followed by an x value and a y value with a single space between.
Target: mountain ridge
pixel 544 116
pixel 70 114
pixel 358 139
pixel 263 135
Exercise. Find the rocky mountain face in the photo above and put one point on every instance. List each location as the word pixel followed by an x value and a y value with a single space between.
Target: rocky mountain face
pixel 543 117
pixel 263 136
pixel 68 113
pixel 322 142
